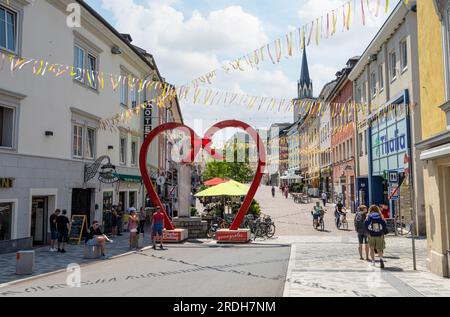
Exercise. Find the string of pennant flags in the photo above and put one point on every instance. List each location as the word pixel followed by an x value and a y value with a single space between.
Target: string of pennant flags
pixel 323 27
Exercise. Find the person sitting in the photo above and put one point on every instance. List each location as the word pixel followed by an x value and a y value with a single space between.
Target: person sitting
pixel 95 237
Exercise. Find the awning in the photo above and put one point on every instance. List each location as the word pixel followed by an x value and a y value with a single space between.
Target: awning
pixel 129 178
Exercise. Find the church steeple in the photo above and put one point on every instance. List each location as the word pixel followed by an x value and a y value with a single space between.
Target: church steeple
pixel 305 86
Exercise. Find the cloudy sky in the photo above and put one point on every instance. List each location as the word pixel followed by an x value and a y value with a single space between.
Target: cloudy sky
pixel 191 37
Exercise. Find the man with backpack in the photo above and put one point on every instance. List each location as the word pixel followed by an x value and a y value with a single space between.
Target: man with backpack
pixel 360 228
pixel 377 228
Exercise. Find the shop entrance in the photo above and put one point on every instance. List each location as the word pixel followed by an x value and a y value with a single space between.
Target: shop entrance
pixel 81 203
pixel 39 216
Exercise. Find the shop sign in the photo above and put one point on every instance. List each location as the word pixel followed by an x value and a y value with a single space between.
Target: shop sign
pixel 148 112
pixel 6 183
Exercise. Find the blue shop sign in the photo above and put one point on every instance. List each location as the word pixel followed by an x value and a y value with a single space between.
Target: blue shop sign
pixel 390 143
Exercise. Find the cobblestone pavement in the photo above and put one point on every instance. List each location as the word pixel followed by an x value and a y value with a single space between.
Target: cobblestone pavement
pixel 46 262
pixel 293 219
pixel 327 263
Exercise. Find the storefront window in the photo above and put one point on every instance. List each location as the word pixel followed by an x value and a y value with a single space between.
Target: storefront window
pixel 5 221
pixel 132 199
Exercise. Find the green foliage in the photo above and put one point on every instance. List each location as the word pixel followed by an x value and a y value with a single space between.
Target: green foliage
pixel 239 172
pixel 194 212
pixel 255 209
pixel 296 188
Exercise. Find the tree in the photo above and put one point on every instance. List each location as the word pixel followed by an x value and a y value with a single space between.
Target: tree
pixel 238 171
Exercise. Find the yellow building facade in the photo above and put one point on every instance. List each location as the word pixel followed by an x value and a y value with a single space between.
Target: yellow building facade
pixel 433 42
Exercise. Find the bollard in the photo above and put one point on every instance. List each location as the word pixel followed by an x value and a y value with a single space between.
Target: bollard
pixel 24 262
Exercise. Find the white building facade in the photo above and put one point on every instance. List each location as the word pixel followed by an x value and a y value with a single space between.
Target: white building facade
pixel 51 125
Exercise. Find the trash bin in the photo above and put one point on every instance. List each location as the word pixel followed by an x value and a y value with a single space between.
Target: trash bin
pixel 24 262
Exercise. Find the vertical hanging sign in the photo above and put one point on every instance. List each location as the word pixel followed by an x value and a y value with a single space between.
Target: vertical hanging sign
pixel 147 119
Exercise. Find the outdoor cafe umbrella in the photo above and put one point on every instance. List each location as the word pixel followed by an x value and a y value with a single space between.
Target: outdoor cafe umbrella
pixel 229 189
pixel 215 181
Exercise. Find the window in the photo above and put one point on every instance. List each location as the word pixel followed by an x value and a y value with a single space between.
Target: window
pixel 134 153
pixel 8 29
pixel 365 142
pixel 364 92
pixel 358 94
pixel 361 144
pixel 92 69
pixel 79 64
pixel 351 147
pixel 5 221
pixel 393 66
pixel 373 85
pixel 90 143
pixel 86 65
pixel 134 97
pixel 404 55
pixel 124 91
pixel 123 150
pixel 6 127
pixel 344 154
pixel 381 77
pixel 77 141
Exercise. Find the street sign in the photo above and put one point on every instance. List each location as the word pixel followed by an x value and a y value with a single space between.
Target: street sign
pixel 393 178
pixel 161 180
pixel 394 193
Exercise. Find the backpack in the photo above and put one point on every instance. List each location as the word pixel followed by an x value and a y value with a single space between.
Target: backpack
pixel 359 223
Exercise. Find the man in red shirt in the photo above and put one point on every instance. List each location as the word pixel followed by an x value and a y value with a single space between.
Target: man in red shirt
pixel 158 227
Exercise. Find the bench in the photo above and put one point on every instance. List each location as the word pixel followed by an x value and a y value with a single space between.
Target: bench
pixel 92 252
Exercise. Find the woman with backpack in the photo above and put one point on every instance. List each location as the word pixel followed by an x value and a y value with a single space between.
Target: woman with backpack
pixel 377 228
pixel 360 228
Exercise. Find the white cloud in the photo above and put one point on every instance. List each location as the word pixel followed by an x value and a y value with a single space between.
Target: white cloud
pixel 185 48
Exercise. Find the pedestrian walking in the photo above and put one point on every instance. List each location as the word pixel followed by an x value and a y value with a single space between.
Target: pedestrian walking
pixel 324 199
pixel 133 224
pixel 114 222
pixel 158 227
pixel 286 192
pixel 142 219
pixel 376 227
pixel 273 191
pixel 62 225
pixel 360 228
pixel 54 230
pixel 120 215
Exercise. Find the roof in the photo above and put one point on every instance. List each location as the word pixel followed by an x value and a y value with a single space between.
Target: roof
pixel 389 27
pixel 123 37
pixel 305 79
pixel 327 89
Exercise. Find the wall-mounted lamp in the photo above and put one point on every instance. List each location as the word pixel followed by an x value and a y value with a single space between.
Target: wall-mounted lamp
pixel 48 133
pixel 110 147
pixel 115 50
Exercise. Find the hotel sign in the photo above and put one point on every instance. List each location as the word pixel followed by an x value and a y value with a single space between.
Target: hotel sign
pixel 6 183
pixel 148 116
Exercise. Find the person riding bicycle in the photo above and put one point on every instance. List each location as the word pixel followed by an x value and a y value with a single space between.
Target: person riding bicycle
pixel 339 211
pixel 317 212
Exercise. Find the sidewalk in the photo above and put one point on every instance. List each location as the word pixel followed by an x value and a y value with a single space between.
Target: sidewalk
pixel 46 262
pixel 330 266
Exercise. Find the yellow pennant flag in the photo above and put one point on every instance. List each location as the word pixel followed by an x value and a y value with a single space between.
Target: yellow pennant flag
pixel 317 32
pixel 349 15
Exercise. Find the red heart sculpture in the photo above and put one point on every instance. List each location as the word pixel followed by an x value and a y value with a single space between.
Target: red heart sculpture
pixel 197 144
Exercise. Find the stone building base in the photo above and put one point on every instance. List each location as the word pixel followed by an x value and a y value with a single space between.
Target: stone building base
pixel 196 227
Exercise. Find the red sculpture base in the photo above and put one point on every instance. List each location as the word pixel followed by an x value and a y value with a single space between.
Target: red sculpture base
pixel 233 236
pixel 175 236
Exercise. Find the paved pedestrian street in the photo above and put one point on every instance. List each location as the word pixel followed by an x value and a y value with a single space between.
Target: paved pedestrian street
pixel 298 262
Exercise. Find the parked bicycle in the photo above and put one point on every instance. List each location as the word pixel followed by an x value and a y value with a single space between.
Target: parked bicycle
pixel 217 224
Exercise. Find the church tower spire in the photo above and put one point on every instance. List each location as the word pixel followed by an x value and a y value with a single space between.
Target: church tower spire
pixel 305 86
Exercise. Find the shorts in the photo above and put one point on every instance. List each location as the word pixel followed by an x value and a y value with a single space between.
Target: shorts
pixel 63 237
pixel 54 234
pixel 91 243
pixel 363 238
pixel 377 243
pixel 158 230
pixel 133 230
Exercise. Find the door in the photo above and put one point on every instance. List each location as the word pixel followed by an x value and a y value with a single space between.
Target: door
pixel 39 216
pixel 81 204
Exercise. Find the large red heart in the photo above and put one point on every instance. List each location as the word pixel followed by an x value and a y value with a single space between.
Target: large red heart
pixel 197 144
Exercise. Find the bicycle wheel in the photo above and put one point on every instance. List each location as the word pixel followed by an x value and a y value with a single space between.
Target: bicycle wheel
pixel 345 225
pixel 271 231
pixel 211 233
